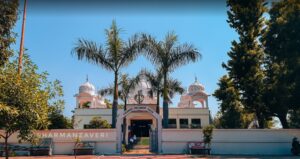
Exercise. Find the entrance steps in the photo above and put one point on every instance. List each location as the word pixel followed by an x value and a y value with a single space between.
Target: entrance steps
pixel 138 151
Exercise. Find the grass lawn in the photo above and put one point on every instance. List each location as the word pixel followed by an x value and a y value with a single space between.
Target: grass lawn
pixel 143 141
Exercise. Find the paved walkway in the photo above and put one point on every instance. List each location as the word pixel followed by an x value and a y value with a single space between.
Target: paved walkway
pixel 139 150
pixel 157 157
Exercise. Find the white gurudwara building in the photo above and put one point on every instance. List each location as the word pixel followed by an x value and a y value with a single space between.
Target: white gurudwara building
pixel 192 111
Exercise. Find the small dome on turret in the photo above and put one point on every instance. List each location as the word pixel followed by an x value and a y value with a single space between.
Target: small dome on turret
pixel 87 87
pixel 196 87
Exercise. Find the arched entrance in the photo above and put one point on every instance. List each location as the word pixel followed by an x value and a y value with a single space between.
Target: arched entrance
pixel 135 109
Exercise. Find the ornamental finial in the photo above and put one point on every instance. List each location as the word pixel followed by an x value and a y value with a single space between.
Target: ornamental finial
pixel 87 78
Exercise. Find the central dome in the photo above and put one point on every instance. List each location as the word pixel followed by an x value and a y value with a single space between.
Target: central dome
pixel 196 87
pixel 87 87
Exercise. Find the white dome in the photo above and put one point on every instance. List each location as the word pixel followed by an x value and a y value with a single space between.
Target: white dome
pixel 196 87
pixel 87 87
pixel 143 85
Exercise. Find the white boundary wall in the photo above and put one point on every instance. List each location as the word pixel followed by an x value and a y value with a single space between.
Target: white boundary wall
pixel 225 141
pixel 233 141
pixel 64 139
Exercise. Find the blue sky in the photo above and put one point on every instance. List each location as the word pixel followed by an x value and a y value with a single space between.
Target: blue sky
pixel 51 33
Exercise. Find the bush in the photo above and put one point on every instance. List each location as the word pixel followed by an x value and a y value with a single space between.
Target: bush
pixel 124 148
pixel 207 135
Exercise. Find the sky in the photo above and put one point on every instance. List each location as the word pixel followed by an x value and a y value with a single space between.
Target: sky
pixel 53 27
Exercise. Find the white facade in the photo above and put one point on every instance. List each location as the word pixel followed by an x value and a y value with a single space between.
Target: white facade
pixel 186 115
pixel 195 95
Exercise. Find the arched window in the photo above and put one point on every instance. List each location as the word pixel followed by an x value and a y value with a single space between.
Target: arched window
pixel 198 104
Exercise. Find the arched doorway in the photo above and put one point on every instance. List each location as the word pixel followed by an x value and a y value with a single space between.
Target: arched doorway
pixel 135 109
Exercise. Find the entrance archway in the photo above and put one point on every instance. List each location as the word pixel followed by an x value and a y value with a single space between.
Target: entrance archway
pixel 134 109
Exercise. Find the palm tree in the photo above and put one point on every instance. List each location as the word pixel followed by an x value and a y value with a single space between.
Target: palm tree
pixel 116 55
pixel 168 56
pixel 156 82
pixel 127 84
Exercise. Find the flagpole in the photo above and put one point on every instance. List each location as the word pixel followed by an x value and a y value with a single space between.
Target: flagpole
pixel 22 40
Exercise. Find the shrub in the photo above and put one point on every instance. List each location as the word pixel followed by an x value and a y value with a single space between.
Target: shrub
pixel 207 135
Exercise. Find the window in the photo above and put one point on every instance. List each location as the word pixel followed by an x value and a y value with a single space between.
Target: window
pixel 172 123
pixel 184 123
pixel 196 123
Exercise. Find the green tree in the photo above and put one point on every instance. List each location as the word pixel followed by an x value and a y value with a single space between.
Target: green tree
pixel 294 119
pixel 207 135
pixel 156 83
pixel 24 100
pixel 98 123
pixel 55 115
pixel 168 56
pixel 115 56
pixel 56 118
pixel 59 121
pixel 282 47
pixel 108 103
pixel 8 18
pixel 246 55
pixel 230 115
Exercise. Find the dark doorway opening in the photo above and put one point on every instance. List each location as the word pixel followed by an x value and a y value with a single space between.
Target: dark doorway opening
pixel 141 128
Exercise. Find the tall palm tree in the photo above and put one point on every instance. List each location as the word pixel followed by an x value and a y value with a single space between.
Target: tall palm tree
pixel 127 84
pixel 168 55
pixel 156 82
pixel 116 55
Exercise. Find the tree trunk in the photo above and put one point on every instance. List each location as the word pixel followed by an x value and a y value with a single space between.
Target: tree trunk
pixel 165 103
pixel 157 101
pixel 115 102
pixel 124 123
pixel 283 121
pixel 6 147
pixel 22 41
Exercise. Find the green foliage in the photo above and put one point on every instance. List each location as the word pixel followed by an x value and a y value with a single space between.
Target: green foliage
pixel 59 121
pixel 99 123
pixel 282 47
pixel 8 18
pixel 126 85
pixel 35 140
pixel 246 55
pixel 25 100
pixel 167 55
pixel 56 118
pixel 294 119
pixel 156 82
pixel 108 103
pixel 117 54
pixel 124 148
pixel 207 134
pixel 230 115
pixel 86 105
